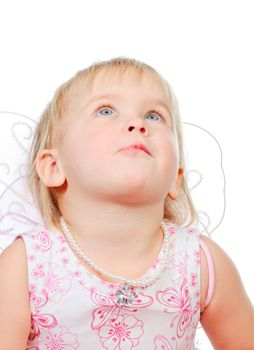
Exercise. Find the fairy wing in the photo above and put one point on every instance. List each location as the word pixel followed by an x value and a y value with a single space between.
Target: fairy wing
pixel 18 213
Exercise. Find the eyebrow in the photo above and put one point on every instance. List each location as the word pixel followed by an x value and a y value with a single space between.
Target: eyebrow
pixel 157 101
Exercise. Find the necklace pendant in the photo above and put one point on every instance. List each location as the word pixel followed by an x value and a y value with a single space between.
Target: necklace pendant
pixel 125 295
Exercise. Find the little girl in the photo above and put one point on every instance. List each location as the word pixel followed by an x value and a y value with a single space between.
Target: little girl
pixel 119 264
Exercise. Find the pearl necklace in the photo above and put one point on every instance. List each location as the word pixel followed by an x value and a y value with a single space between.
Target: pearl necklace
pixel 126 293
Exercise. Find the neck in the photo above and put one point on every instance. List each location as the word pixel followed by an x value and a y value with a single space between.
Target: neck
pixel 106 230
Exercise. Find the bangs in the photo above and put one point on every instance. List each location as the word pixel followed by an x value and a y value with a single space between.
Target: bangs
pixel 114 73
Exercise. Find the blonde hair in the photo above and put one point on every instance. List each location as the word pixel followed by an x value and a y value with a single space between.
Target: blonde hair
pixel 48 134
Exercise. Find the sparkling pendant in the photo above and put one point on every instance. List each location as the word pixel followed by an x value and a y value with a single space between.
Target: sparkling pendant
pixel 125 295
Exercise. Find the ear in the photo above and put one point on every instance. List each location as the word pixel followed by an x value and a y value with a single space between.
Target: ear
pixel 173 193
pixel 49 168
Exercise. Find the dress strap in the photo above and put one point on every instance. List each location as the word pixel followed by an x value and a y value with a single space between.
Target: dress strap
pixel 210 272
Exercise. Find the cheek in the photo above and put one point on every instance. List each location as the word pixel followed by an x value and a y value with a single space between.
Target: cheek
pixel 170 156
pixel 170 147
pixel 95 149
pixel 98 142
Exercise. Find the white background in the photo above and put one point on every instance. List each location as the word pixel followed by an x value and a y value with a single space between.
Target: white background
pixel 203 48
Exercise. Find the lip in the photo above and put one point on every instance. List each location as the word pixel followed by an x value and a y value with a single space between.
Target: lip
pixel 139 146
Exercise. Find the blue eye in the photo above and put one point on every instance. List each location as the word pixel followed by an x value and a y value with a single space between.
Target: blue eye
pixel 154 116
pixel 105 111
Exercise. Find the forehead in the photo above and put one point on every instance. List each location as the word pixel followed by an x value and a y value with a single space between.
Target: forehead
pixel 128 80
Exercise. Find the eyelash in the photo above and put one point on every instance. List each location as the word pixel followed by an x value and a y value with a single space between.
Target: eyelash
pixel 152 111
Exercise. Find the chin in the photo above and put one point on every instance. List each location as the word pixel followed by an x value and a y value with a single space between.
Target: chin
pixel 136 195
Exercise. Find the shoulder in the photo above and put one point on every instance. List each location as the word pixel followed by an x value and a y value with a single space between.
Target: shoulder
pixel 13 264
pixel 14 294
pixel 229 318
pixel 14 253
pixel 220 264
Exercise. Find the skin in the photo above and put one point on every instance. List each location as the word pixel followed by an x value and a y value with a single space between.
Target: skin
pixel 129 197
pixel 124 190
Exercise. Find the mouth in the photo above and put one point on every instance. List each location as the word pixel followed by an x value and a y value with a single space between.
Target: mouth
pixel 138 146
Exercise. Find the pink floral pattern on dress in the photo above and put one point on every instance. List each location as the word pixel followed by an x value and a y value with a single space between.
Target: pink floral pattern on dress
pixel 39 320
pixel 197 257
pixel 177 302
pixel 178 266
pixel 58 338
pixel 31 258
pixel 42 241
pixel 55 279
pixel 194 279
pixel 162 343
pixel 108 307
pixel 109 313
pixel 122 333
pixel 172 231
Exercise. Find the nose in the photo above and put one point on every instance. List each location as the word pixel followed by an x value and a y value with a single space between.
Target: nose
pixel 136 125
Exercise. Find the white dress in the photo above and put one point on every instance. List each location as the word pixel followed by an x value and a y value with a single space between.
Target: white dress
pixel 72 308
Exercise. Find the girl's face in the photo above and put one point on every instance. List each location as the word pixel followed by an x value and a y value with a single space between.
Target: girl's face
pixel 120 144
